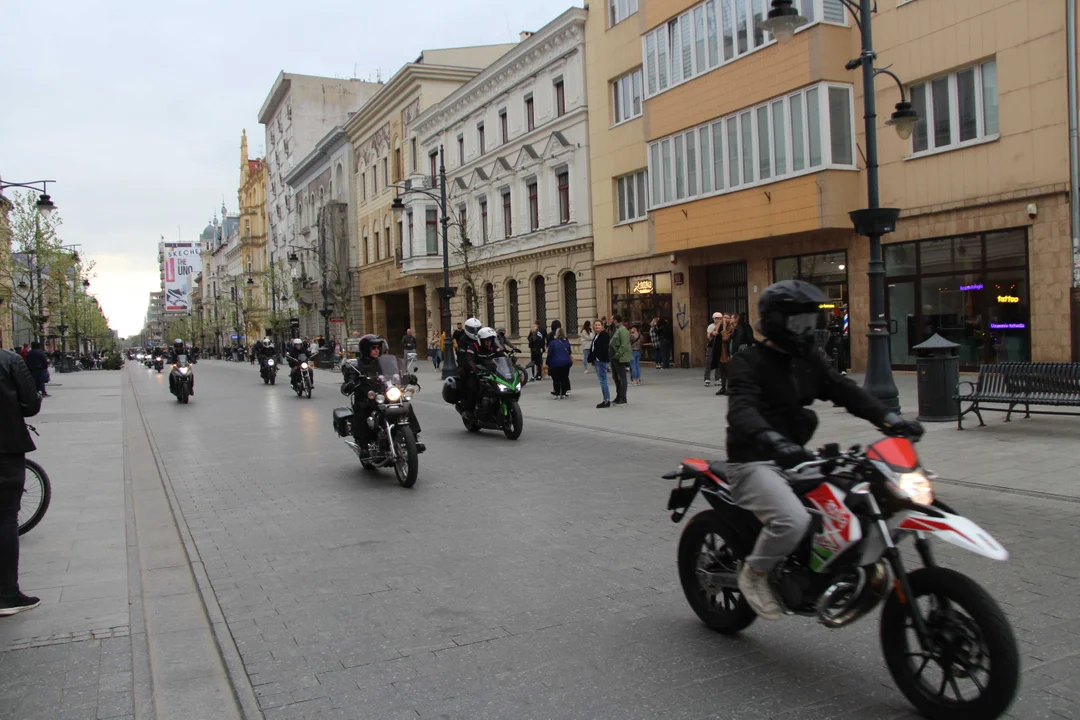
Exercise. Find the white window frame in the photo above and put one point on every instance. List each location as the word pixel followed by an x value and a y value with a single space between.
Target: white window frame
pixel 631 83
pixel 955 143
pixel 704 162
pixel 714 56
pixel 619 10
pixel 629 184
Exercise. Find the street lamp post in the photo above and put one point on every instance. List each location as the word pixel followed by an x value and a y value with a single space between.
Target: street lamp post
pixel 45 207
pixel 874 221
pixel 449 362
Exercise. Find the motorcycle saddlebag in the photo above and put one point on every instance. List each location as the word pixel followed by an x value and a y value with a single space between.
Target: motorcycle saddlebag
pixel 342 421
pixel 450 392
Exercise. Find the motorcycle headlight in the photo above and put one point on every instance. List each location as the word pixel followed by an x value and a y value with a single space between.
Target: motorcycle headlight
pixel 183 371
pixel 916 486
pixel 393 394
pixel 408 395
pixel 270 363
pixel 380 399
pixel 303 366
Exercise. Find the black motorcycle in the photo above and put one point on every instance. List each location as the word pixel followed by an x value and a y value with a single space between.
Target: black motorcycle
pixel 181 379
pixel 302 375
pixel 268 370
pixel 382 400
pixel 499 385
pixel 159 363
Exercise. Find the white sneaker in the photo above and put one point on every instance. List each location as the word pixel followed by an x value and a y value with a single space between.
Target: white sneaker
pixel 754 586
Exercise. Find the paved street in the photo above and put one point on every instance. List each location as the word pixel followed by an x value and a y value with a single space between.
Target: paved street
pixel 528 579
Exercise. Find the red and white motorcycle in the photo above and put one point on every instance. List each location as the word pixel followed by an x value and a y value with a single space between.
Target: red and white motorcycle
pixel 947 644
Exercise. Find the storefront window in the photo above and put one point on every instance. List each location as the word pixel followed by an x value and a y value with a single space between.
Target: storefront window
pixel 640 298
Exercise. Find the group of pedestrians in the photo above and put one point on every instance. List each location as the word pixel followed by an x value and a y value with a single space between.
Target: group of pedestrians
pixel 726 336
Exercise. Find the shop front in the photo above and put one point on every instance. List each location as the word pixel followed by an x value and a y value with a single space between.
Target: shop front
pixel 640 298
pixel 828 271
pixel 972 290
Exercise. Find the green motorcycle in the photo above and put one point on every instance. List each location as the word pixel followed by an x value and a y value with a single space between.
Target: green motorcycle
pixel 497 405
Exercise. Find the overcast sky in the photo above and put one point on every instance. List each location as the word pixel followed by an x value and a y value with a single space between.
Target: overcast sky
pixel 135 107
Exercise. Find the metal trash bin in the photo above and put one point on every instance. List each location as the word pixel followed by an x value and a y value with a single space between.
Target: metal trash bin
pixel 67 364
pixel 938 368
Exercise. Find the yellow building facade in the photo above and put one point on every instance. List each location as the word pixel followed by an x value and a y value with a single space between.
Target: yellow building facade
pixel 753 158
pixel 252 201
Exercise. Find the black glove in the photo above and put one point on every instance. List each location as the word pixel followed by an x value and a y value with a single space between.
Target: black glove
pixel 896 425
pixel 786 453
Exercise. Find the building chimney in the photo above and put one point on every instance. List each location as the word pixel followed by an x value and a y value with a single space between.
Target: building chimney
pixel 525 35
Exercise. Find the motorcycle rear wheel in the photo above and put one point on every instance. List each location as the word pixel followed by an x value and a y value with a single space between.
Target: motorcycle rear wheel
pixel 36 497
pixel 703 547
pixel 517 423
pixel 408 461
pixel 473 427
pixel 974 658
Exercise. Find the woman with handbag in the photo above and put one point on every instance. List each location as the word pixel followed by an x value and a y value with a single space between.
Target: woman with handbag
pixel 559 361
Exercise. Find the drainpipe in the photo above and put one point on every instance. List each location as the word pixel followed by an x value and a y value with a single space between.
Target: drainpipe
pixel 1074 174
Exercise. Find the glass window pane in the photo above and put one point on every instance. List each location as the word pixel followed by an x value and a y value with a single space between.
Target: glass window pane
pixel 942 121
pixel 1009 307
pixel 669 185
pixel 687 59
pixel 764 154
pixel 1006 249
pixel 740 25
pixel 834 12
pixel 840 125
pixel 627 95
pixel 785 269
pixel 710 20
pixel 808 10
pixel 680 169
pixel 813 124
pixel 733 151
pixel 718 154
pixel 631 211
pixel 779 137
pixel 967 252
pixel 936 256
pixel 657 173
pixel 990 98
pixel 650 61
pixel 641 194
pixel 662 56
pixel 620 196
pixel 675 46
pixel 798 135
pixel 636 106
pixel 699 38
pixel 919 138
pixel 899 259
pixel 706 160
pixel 759 15
pixel 691 164
pixel 616 93
pixel 746 137
pixel 952 307
pixel 729 30
pixel 965 102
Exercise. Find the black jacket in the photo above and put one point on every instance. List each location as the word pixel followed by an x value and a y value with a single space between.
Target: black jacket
pixel 37 360
pixel 600 348
pixel 771 390
pixel 742 337
pixel 537 342
pixel 18 399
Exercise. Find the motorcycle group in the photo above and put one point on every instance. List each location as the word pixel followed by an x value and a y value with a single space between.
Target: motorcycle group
pixel 787 531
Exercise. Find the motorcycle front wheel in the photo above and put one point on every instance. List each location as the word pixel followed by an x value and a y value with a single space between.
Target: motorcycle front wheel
pixel 704 553
pixel 516 423
pixel 972 669
pixel 184 393
pixel 407 464
pixel 36 497
pixel 273 379
pixel 307 388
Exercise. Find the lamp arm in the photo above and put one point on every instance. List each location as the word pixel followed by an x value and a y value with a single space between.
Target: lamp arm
pixel 32 185
pixel 417 191
pixel 899 84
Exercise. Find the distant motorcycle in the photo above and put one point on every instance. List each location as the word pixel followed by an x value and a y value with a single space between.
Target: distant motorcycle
pixel 181 380
pixel 302 376
pixel 268 370
pixel 159 363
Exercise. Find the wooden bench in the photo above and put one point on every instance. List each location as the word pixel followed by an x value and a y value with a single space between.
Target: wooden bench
pixel 1015 383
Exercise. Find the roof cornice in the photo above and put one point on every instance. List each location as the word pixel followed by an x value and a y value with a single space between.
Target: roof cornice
pixel 278 91
pixel 330 142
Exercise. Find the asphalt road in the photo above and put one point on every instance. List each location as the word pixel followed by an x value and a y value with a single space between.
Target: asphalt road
pixel 528 579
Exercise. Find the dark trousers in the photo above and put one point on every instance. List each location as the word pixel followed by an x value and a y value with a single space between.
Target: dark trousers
pixel 618 369
pixel 537 364
pixel 12 481
pixel 39 378
pixel 560 379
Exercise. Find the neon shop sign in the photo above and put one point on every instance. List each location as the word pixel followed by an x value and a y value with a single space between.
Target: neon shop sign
pixel 1008 299
pixel 971 288
pixel 1008 326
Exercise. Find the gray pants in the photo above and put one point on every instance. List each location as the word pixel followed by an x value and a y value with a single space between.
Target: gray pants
pixel 762 488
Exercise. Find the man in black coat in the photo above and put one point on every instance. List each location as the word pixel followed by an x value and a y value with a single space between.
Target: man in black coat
pixel 38 363
pixel 19 399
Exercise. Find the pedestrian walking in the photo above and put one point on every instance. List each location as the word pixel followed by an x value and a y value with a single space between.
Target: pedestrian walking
pixel 586 343
pixel 654 340
pixel 435 343
pixel 636 341
pixel 601 360
pixel 408 344
pixel 712 351
pixel 667 343
pixel 25 349
pixel 559 362
pixel 458 335
pixel 725 352
pixel 537 345
pixel 619 349
pixel 19 399
pixel 742 335
pixel 38 364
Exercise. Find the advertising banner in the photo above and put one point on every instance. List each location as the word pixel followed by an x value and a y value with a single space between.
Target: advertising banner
pixel 182 264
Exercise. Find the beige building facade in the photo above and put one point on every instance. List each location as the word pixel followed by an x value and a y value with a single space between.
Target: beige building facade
pixel 753 158
pixel 253 252
pixel 383 299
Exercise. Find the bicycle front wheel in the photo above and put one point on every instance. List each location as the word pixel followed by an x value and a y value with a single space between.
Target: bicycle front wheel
pixel 36 497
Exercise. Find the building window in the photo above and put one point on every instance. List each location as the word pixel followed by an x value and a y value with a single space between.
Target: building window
pixel 560 97
pixel 378 247
pixel 470 302
pixel 504 128
pixel 530 115
pixel 363 190
pixel 570 322
pixel 508 216
pixel 716 32
pixel 386 172
pixel 367 250
pixel 397 164
pixel 562 182
pixel 956 110
pixel 626 96
pixel 483 220
pixel 630 197
pixel 412 154
pixel 375 180
pixel 619 10
pixel 463 225
pixel 540 301
pixel 412 249
pixel 480 137
pixel 489 305
pixel 433 164
pixel 512 308
pixel 460 149
pixel 534 206
pixel 431 228
pixel 806 131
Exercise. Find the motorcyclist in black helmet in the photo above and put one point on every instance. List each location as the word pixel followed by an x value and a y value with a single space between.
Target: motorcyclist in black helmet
pixel 178 348
pixel 504 342
pixel 372 347
pixel 772 383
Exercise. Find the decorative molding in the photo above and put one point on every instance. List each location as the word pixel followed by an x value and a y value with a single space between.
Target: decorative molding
pixel 367 152
pixel 409 113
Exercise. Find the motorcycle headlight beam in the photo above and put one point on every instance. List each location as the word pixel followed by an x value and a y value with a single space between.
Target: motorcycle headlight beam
pixel 183 371
pixel 917 487
pixel 393 394
pixel 303 366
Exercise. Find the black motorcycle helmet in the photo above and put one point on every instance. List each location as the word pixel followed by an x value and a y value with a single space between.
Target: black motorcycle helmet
pixel 369 341
pixel 789 312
